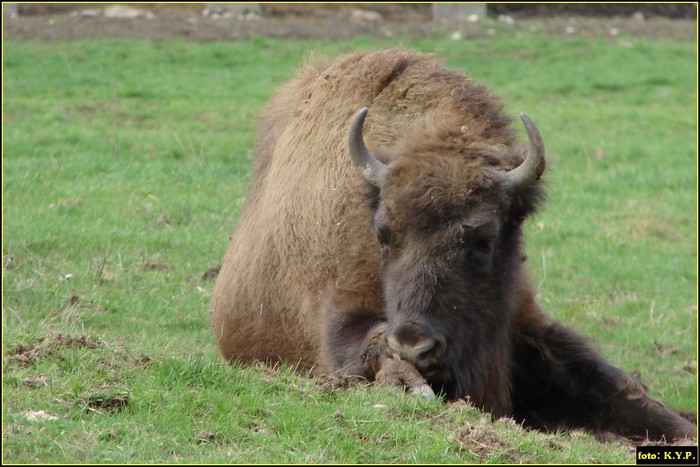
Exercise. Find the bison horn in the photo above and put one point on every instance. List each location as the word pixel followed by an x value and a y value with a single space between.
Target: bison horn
pixel 372 169
pixel 531 169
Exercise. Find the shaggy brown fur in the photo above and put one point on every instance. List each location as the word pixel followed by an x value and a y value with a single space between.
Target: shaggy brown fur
pixel 323 267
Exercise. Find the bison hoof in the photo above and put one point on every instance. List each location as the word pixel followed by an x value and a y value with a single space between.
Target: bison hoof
pixel 424 391
pixel 403 374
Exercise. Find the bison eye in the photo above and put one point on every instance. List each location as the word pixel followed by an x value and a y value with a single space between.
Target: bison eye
pixel 480 255
pixel 484 245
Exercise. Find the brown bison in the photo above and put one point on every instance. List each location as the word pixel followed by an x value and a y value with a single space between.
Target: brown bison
pixel 386 242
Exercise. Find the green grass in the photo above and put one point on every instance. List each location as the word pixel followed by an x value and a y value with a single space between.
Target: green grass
pixel 124 167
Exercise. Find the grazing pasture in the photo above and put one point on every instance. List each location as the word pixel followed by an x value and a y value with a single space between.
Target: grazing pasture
pixel 124 167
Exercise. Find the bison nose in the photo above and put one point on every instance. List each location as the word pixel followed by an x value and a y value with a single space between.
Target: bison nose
pixel 412 342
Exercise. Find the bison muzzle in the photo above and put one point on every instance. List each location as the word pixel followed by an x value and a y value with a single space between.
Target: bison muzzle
pixel 381 237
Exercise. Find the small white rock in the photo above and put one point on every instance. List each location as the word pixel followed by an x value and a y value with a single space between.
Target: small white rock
pixel 570 30
pixel 38 416
pixel 473 18
pixel 505 19
pixel 121 11
pixel 455 36
pixel 366 15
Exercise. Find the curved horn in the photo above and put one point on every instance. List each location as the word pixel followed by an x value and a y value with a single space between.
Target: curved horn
pixel 372 169
pixel 532 167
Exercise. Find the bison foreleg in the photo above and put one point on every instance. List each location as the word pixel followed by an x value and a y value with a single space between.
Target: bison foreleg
pixel 559 381
pixel 356 344
pixel 390 371
pixel 403 374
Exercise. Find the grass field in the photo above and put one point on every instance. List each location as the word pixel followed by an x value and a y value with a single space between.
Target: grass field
pixel 124 166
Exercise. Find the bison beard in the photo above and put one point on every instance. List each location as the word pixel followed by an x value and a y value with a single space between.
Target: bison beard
pixel 387 245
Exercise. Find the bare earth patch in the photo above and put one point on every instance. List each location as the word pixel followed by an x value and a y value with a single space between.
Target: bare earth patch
pixel 485 443
pixel 340 381
pixel 29 354
pixel 106 398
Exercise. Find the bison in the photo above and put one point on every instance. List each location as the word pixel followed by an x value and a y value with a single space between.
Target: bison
pixel 381 237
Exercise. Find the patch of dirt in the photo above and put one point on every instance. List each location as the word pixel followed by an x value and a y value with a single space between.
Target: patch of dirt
pixel 38 382
pixel 52 342
pixel 485 443
pixel 56 339
pixel 107 398
pixel 51 345
pixel 211 273
pixel 26 355
pixel 157 267
pixel 142 362
pixel 332 21
pixel 340 381
pixel 210 437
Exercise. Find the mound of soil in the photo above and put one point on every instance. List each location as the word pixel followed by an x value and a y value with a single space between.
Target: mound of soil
pixel 485 443
pixel 29 354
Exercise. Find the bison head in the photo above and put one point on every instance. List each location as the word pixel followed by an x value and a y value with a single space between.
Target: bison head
pixel 447 218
